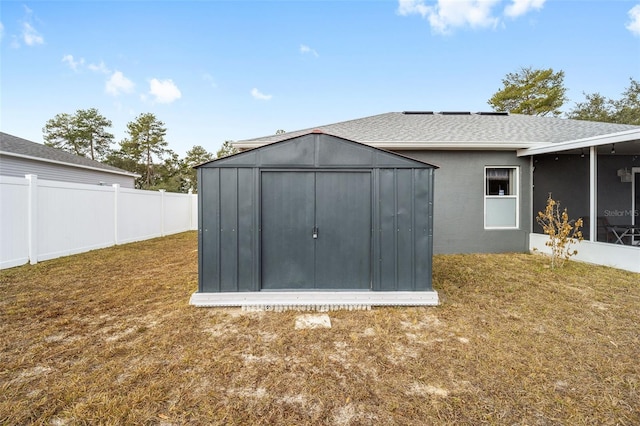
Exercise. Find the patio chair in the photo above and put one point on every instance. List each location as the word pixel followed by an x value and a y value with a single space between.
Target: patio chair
pixel 605 230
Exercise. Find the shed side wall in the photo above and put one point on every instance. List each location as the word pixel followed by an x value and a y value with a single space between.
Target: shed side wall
pixel 404 230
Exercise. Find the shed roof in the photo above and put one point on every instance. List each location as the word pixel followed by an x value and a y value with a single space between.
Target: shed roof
pixel 18 147
pixel 317 150
pixel 454 130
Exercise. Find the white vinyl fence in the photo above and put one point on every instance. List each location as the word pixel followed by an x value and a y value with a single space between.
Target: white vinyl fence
pixel 41 220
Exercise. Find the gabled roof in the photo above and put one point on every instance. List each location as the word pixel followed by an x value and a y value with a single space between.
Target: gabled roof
pixel 17 147
pixel 317 150
pixel 454 130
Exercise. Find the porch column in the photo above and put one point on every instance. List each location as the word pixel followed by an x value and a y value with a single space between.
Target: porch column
pixel 593 194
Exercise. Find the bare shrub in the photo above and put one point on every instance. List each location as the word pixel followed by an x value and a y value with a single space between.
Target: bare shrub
pixel 562 232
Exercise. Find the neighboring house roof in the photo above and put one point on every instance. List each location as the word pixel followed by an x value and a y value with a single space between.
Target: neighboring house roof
pixel 17 147
pixel 454 130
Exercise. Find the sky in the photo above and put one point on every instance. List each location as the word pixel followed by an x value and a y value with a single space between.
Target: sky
pixel 213 71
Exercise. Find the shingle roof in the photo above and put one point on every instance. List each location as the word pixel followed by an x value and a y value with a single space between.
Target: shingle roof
pixel 13 145
pixel 406 130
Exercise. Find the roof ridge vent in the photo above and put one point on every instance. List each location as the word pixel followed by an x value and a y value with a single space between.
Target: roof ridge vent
pixel 455 112
pixel 417 112
pixel 496 113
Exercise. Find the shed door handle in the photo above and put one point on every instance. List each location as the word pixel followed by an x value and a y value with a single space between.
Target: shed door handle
pixel 315 232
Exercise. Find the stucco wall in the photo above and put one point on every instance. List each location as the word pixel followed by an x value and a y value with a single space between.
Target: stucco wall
pixel 458 225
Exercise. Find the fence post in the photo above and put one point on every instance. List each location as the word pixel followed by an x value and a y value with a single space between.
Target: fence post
pixel 116 195
pixel 162 191
pixel 32 218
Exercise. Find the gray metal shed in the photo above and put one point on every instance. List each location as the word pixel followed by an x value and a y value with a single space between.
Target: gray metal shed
pixel 315 220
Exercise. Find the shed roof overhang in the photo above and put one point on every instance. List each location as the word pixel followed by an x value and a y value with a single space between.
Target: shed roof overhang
pixel 351 153
pixel 630 140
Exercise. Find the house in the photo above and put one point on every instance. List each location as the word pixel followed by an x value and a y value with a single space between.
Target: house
pixel 497 170
pixel 20 157
pixel 315 220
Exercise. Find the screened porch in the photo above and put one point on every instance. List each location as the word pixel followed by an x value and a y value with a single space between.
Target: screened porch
pixel 596 179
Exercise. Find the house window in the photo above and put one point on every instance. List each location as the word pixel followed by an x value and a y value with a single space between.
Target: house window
pixel 501 200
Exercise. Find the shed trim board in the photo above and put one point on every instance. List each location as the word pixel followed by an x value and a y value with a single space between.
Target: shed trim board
pixel 315 220
pixel 305 299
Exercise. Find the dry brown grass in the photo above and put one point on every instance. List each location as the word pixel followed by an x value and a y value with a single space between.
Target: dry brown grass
pixel 107 337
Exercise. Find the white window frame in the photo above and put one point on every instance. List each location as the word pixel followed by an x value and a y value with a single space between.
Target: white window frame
pixel 516 188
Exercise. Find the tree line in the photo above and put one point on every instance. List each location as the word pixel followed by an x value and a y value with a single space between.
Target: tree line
pixel 542 92
pixel 145 149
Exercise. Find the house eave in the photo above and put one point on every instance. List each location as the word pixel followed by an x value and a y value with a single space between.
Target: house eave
pixel 80 166
pixel 611 138
pixel 422 146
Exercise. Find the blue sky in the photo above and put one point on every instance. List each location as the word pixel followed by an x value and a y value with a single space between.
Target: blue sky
pixel 231 70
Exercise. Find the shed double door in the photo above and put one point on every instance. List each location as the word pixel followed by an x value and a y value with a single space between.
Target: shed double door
pixel 316 230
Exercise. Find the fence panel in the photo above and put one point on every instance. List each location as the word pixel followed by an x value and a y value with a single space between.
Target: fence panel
pixel 194 212
pixel 139 215
pixel 42 220
pixel 73 218
pixel 175 205
pixel 14 222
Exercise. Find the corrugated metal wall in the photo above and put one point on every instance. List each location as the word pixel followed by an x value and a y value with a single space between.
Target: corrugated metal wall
pixel 403 244
pixel 230 213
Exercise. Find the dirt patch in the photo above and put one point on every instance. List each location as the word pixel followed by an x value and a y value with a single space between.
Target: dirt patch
pixel 312 321
pixel 426 390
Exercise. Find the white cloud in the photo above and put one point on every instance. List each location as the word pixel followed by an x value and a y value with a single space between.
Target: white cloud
pixel 414 7
pixel 521 7
pixel 101 68
pixel 446 15
pixel 259 95
pixel 306 49
pixel 164 91
pixel 118 84
pixel 80 63
pixel 1 31
pixel 634 24
pixel 30 36
pixel 73 64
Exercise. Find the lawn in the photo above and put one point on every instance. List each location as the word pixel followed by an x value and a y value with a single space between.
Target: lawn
pixel 108 337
